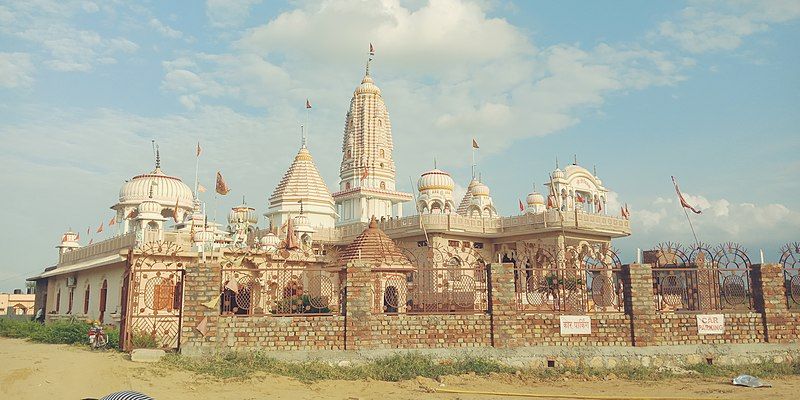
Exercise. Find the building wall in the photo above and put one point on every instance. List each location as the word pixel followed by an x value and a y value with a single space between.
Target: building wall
pixel 93 278
pixel 17 304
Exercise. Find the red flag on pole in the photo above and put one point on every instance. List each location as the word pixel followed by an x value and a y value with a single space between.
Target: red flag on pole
pixel 365 173
pixel 308 104
pixel 550 202
pixel 521 207
pixel 371 50
pixel 112 221
pixel 222 187
pixel 684 204
pixel 579 198
pixel 78 237
pixel 598 204
pixel 201 188
pixel 88 229
pixel 199 149
pixel 100 228
pixel 475 144
pixel 91 241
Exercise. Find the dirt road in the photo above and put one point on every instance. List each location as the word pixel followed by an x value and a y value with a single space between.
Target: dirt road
pixel 42 371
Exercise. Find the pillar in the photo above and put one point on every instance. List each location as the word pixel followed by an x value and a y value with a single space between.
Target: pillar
pixel 201 285
pixel 503 306
pixel 358 308
pixel 639 303
pixel 769 298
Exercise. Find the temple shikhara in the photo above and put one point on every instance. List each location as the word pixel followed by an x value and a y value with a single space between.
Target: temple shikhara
pixel 364 265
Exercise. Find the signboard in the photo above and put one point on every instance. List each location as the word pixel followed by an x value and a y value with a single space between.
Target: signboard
pixel 711 324
pixel 576 324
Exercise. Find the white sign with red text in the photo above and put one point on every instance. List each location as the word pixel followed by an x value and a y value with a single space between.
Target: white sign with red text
pixel 711 324
pixel 576 325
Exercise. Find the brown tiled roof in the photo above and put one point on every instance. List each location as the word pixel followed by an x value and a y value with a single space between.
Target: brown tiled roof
pixel 373 246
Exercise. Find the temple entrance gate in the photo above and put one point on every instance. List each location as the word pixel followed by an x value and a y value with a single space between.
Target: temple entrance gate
pixel 153 290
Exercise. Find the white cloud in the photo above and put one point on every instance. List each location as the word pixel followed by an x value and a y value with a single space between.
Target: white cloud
pixel 16 70
pixel 165 29
pixel 722 25
pixel 228 13
pixel 65 46
pixel 721 220
pixel 445 67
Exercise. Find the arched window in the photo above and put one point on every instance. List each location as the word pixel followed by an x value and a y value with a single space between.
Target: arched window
pixel 86 300
pixel 383 153
pixel 391 298
pixel 347 186
pixel 152 225
pixel 71 297
pixel 383 185
pixel 436 207
pixel 349 153
pixel 103 295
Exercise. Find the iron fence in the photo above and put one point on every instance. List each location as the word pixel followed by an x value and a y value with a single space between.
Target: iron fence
pixel 280 292
pixel 702 289
pixel 448 290
pixel 570 290
pixel 790 261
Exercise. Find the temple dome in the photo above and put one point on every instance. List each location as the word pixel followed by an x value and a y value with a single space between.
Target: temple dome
pixel 367 86
pixel 374 247
pixel 165 189
pixel 435 179
pixel 480 189
pixel 534 198
pixel 245 212
pixel 302 187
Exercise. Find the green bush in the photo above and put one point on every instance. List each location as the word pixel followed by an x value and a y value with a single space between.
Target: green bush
pixel 62 332
pixel 142 340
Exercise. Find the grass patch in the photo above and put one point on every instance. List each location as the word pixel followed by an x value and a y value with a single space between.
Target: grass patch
pixel 58 332
pixel 392 368
pixel 405 366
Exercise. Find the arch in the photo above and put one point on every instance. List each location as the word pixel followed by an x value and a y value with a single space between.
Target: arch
pixel 391 299
pixel 436 206
pixel 474 211
pixel 488 211
pixel 423 206
pixel 86 299
pixel 152 225
pixel 347 186
pixel 383 153
pixel 103 296
pixel 383 185
pixel 453 267
pixel 349 153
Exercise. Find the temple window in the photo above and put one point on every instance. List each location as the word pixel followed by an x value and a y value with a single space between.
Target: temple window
pixel 347 186
pixel 103 295
pixel 383 153
pixel 383 185
pixel 71 297
pixel 391 300
pixel 349 153
pixel 86 300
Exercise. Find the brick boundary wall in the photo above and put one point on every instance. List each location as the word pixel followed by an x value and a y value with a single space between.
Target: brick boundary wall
pixel 502 326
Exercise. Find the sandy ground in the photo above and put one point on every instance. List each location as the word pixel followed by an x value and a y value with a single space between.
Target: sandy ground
pixel 41 371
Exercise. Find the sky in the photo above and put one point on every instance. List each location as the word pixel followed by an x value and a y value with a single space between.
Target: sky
pixel 707 91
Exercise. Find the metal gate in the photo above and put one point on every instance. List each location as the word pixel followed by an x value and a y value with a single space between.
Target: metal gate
pixel 154 292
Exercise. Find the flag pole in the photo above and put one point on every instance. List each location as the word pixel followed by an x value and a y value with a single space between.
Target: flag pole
pixel 196 171
pixel 473 161
pixel 690 225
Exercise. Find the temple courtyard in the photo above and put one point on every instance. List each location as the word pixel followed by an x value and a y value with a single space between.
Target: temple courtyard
pixel 37 371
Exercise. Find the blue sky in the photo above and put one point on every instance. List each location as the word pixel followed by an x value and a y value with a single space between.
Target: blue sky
pixel 703 90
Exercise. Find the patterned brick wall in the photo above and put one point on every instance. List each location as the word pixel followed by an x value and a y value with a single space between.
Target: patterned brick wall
pixel 503 326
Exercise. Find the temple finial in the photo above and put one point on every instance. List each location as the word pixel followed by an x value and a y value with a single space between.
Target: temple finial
pixel 434 163
pixel 303 140
pixel 575 160
pixel 556 162
pixel 369 59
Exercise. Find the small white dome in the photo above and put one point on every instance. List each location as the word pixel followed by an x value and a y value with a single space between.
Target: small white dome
pixel 367 86
pixel 535 198
pixel 270 240
pixel 149 207
pixel 243 212
pixel 480 189
pixel 69 240
pixel 435 179
pixel 558 174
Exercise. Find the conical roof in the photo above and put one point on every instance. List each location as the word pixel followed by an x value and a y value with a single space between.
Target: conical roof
pixel 467 199
pixel 302 182
pixel 373 246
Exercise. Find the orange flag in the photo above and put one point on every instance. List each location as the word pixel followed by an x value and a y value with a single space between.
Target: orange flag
pixel 365 173
pixel 521 207
pixel 308 104
pixel 201 188
pixel 175 211
pixel 371 50
pixel 91 241
pixel 199 150
pixel 222 187
pixel 475 144
pixel 112 221
pixel 100 228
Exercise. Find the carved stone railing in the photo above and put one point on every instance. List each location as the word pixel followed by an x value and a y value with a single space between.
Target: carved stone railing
pixel 108 246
